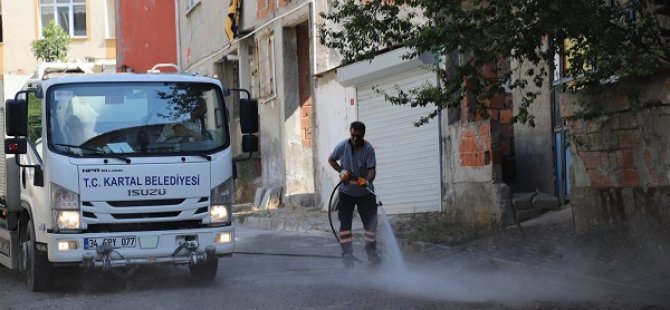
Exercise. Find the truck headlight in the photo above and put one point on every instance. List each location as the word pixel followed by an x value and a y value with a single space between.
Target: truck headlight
pixel 63 199
pixel 221 203
pixel 67 220
pixel 218 214
pixel 65 208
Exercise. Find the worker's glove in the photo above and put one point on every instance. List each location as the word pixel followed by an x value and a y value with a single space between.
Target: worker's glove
pixel 362 182
pixel 345 176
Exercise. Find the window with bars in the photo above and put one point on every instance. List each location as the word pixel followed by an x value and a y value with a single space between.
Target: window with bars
pixel 68 14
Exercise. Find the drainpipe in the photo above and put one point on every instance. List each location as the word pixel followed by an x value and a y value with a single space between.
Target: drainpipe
pixel 177 32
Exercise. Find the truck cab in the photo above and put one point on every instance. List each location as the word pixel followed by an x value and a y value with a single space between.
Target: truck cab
pixel 130 169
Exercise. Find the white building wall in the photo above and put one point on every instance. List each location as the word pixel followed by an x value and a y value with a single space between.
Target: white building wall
pixel 334 113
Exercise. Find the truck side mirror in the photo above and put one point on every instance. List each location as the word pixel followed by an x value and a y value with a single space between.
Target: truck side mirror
pixel 249 116
pixel 16 117
pixel 249 143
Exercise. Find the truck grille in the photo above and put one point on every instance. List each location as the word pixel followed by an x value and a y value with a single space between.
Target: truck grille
pixel 152 226
pixel 145 203
pixel 144 214
pixel 125 216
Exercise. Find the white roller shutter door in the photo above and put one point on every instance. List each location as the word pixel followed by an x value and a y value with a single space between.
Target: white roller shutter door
pixel 408 158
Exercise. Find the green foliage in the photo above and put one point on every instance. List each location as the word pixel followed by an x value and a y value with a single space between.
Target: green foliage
pixel 34 117
pixel 54 44
pixel 606 43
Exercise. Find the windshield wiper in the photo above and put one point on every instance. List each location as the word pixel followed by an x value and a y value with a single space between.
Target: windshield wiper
pixel 209 158
pixel 96 151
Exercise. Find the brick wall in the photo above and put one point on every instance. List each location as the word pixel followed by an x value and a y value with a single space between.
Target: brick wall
pixel 488 141
pixel 304 84
pixel 620 175
pixel 265 7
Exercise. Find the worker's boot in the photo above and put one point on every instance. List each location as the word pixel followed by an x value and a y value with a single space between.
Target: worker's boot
pixel 348 260
pixel 373 258
pixel 371 248
pixel 347 248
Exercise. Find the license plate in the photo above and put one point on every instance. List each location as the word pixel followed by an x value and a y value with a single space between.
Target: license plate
pixel 115 242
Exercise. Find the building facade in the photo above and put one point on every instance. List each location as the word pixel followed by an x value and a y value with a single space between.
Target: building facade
pixel 90 24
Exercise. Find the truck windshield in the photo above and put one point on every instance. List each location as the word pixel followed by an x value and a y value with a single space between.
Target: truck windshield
pixel 97 119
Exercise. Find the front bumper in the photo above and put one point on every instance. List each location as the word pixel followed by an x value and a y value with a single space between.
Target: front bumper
pixel 152 247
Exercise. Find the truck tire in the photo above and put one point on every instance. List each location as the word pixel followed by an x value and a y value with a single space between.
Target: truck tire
pixel 35 265
pixel 206 270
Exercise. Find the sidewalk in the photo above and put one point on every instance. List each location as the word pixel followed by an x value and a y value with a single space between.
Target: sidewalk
pixel 546 245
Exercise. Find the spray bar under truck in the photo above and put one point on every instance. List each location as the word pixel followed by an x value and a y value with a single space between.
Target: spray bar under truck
pixel 128 169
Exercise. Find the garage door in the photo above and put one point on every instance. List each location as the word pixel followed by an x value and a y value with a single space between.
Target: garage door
pixel 408 158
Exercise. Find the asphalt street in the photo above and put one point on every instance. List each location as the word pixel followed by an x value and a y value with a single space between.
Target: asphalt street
pixel 284 270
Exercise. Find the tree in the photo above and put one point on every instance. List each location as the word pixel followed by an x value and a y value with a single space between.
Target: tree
pixel 54 44
pixel 621 41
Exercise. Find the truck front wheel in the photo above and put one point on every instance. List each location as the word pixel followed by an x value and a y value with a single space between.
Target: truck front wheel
pixel 205 270
pixel 34 264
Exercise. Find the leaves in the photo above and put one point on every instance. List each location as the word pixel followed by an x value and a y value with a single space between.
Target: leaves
pixel 597 43
pixel 54 44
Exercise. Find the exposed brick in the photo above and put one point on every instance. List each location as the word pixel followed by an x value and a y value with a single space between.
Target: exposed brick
pixel 629 178
pixel 497 102
pixel 306 111
pixel 506 116
pixel 627 121
pixel 626 139
pixel 494 113
pixel 467 133
pixel 596 141
pixel 483 142
pixel 489 71
pixel 484 129
pixel 591 160
pixel 467 145
pixel 604 160
pixel 627 159
pixel 599 180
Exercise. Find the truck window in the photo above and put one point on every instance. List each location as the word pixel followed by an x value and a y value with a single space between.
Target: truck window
pixel 135 118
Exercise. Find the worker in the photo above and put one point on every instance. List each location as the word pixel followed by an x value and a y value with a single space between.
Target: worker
pixel 190 129
pixel 357 171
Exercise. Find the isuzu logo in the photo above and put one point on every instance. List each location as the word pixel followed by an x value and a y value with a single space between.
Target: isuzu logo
pixel 147 192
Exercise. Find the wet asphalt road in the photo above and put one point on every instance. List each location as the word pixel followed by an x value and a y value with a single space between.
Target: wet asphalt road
pixel 297 271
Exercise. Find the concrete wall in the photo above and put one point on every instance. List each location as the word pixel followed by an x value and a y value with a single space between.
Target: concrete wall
pixel 333 114
pixel 139 49
pixel 533 152
pixel 201 35
pixel 621 160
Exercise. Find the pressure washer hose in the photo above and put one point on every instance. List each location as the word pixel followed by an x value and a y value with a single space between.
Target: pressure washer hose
pixel 330 210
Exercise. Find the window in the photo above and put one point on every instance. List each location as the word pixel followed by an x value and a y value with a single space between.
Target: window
pixel 110 19
pixel 266 66
pixel 68 14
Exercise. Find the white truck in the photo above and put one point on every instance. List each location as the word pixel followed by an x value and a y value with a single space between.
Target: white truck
pixel 130 169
